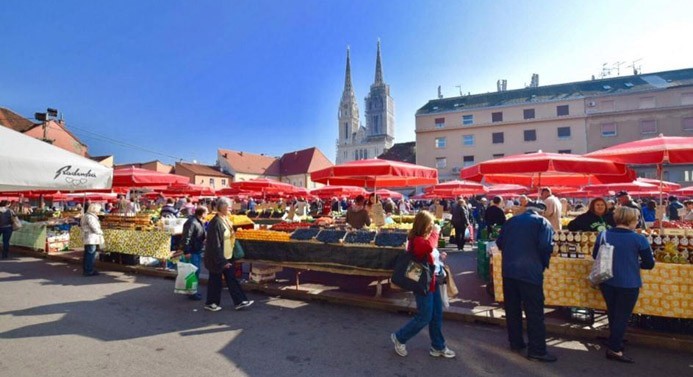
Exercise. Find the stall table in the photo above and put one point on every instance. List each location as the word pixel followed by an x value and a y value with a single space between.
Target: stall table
pixel 667 290
pixel 154 243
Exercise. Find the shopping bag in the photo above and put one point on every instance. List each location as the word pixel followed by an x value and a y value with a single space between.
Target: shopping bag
pixel 411 275
pixel 186 281
pixel 603 267
pixel 444 295
pixel 238 252
pixel 16 223
pixel 450 282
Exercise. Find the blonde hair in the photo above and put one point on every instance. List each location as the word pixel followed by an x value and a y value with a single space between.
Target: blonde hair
pixel 423 223
pixel 625 215
pixel 94 208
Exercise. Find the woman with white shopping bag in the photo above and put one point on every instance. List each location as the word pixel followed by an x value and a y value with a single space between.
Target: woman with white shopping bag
pixel 631 252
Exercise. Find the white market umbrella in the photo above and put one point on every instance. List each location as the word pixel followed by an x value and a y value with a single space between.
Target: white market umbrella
pixel 27 163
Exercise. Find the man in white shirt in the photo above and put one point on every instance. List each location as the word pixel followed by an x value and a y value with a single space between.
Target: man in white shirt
pixel 553 208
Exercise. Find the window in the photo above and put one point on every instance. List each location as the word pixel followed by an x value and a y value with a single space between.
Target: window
pixel 202 181
pixel 646 102
pixel 211 182
pixel 648 126
pixel 346 130
pixel 530 135
pixel 565 151
pixel 608 129
pixel 687 124
pixel 441 162
pixel 365 153
pixel 687 98
pixel 440 142
pixel 562 110
pixel 528 113
pixel 467 161
pixel 497 138
pixel 687 176
pixel 564 132
pixel 440 122
pixel 223 182
pixel 499 155
pixel 497 117
pixel 467 140
pixel 467 119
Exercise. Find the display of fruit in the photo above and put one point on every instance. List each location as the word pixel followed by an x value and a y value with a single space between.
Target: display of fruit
pixel 673 224
pixel 331 235
pixel 262 235
pixel 305 234
pixel 359 237
pixel 391 239
pixel 290 227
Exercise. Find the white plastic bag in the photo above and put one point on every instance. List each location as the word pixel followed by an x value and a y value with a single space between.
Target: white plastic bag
pixel 186 281
pixel 603 267
pixel 444 295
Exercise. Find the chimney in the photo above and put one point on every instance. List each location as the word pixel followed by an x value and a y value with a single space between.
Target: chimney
pixel 535 81
pixel 440 94
pixel 502 85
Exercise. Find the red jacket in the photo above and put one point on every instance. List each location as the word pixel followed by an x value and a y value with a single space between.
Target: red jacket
pixel 422 248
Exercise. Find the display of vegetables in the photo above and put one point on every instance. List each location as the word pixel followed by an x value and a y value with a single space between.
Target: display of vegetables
pixel 262 235
pixel 305 234
pixel 673 224
pixel 391 239
pixel 360 237
pixel 290 227
pixel 331 235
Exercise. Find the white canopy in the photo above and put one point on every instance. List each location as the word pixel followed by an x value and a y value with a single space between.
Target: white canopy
pixel 27 163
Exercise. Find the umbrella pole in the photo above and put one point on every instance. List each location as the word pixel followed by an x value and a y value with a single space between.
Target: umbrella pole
pixel 660 173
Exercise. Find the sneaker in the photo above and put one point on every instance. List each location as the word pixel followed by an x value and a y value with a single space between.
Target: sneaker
pixel 244 304
pixel 400 348
pixel 446 353
pixel 213 307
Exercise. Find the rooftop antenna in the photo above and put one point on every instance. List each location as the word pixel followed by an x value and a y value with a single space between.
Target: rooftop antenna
pixel 637 69
pixel 606 71
pixel 440 94
pixel 460 89
pixel 618 67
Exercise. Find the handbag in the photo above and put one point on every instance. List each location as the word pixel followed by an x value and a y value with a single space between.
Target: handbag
pixel 238 252
pixel 16 223
pixel 603 267
pixel 450 284
pixel 411 275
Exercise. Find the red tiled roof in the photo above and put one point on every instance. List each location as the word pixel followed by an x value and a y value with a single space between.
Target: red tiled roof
pixel 250 163
pixel 198 169
pixel 303 161
pixel 404 152
pixel 12 120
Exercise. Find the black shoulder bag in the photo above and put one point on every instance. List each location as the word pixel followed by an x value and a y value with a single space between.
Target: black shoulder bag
pixel 411 275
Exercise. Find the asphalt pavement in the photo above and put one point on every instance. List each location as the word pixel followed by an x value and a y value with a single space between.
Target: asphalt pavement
pixel 55 322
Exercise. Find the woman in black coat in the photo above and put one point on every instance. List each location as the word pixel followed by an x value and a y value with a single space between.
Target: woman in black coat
pixel 218 253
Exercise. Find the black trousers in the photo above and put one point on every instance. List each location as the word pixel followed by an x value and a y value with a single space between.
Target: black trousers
pixel 459 236
pixel 619 306
pixel 520 295
pixel 214 287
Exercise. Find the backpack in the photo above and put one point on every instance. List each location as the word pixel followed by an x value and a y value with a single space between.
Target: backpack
pixel 6 218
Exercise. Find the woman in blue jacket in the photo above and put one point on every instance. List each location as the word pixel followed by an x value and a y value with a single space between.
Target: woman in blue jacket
pixel 632 252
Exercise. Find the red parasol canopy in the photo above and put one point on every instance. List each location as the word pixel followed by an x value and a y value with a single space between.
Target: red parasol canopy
pixel 183 189
pixel 385 193
pixel 376 173
pixel 507 189
pixel 136 177
pixel 264 185
pixel 338 191
pixel 611 188
pixel 457 188
pixel 656 150
pixel 688 191
pixel 665 184
pixel 548 169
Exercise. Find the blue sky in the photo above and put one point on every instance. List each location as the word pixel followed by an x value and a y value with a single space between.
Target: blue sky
pixel 183 78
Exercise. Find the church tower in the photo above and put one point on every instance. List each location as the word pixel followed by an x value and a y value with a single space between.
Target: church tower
pixel 380 109
pixel 348 117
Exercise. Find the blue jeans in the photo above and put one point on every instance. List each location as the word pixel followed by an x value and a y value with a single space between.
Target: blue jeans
pixel 88 260
pixel 196 260
pixel 6 233
pixel 619 306
pixel 430 312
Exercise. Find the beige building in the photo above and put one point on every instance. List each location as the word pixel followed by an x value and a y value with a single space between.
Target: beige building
pixel 580 117
pixel 204 175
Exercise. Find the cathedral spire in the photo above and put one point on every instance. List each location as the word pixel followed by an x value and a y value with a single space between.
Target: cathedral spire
pixel 378 68
pixel 347 76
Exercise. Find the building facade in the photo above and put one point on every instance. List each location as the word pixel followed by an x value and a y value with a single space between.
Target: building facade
pixel 580 117
pixel 204 175
pixel 355 142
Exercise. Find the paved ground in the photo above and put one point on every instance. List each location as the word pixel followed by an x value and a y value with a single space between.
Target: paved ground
pixel 54 322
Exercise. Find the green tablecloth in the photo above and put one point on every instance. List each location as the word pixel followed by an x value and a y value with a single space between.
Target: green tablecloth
pixel 154 243
pixel 31 235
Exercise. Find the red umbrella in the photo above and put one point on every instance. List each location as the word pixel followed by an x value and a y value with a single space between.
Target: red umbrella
pixel 263 185
pixel 656 150
pixel 376 173
pixel 688 191
pixel 183 189
pixel 338 191
pixel 613 187
pixel 548 169
pixel 136 177
pixel 457 188
pixel 507 189
pixel 385 193
pixel 665 184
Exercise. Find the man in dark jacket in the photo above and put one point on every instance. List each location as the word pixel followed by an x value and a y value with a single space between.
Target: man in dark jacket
pixel 494 214
pixel 673 208
pixel 193 241
pixel 460 221
pixel 526 242
pixel 625 199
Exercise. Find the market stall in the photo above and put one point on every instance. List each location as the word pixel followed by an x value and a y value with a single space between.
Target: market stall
pixel 667 289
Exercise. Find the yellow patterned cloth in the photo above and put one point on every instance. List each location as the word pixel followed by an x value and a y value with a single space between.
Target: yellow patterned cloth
pixel 667 290
pixel 155 244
